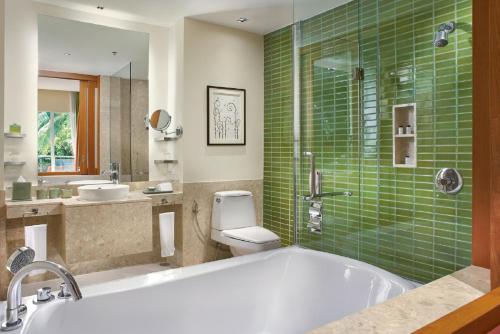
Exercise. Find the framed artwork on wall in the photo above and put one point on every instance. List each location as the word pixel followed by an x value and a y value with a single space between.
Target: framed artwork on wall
pixel 226 116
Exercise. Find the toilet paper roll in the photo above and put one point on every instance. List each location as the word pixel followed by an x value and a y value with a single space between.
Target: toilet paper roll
pixel 35 237
pixel 167 244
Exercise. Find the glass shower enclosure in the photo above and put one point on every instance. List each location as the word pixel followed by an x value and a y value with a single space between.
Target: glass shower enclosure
pixel 327 129
pixel 368 78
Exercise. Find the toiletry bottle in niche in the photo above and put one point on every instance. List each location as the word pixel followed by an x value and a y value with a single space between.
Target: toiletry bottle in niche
pixel 409 129
pixel 407 159
pixel 401 130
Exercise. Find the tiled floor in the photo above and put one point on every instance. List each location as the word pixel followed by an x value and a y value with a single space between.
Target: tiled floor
pixel 95 278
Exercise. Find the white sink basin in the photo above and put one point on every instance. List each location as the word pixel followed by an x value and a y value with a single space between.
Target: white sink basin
pixel 103 192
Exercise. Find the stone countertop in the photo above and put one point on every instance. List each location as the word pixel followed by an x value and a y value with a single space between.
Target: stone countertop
pixel 74 201
pixel 416 308
pixel 19 209
pixel 133 196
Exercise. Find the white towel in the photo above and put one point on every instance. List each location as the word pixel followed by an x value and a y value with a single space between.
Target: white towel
pixel 167 243
pixel 35 237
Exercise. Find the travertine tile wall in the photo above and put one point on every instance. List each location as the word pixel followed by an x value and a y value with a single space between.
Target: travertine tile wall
pixel 197 244
pixel 112 230
pixel 139 159
pixel 104 122
pixel 123 134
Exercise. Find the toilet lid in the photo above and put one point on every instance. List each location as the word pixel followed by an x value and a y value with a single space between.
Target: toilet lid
pixel 254 234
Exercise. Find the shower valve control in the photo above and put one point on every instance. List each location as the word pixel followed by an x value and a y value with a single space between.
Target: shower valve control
pixel 449 181
pixel 315 217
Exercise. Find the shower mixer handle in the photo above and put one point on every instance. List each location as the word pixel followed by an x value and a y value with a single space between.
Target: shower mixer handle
pixel 312 174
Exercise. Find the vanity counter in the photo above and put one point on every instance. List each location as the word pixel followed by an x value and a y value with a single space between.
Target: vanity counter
pixel 51 207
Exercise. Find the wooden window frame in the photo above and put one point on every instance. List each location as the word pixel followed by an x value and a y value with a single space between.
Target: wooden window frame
pixel 88 164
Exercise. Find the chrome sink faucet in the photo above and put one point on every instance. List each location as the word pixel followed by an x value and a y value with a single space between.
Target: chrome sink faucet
pixel 114 172
pixel 12 320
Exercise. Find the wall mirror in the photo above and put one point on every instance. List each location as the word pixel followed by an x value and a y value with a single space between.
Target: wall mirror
pixel 93 91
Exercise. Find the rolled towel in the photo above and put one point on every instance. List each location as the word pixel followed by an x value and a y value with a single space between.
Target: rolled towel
pixel 167 240
pixel 35 237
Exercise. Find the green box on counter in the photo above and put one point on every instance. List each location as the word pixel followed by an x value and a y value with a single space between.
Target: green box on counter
pixel 21 191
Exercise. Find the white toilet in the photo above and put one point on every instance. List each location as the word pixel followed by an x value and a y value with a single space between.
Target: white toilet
pixel 234 224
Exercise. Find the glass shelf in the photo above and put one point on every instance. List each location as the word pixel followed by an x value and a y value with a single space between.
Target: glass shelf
pixel 14 135
pixel 167 161
pixel 14 163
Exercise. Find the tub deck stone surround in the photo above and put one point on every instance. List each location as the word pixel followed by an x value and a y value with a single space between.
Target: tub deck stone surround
pixel 416 308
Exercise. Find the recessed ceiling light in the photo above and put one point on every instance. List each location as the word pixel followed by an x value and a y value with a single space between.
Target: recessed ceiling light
pixel 100 7
pixel 67 54
pixel 242 20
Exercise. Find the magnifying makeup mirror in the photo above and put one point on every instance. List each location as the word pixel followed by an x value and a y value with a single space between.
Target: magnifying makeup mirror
pixel 160 120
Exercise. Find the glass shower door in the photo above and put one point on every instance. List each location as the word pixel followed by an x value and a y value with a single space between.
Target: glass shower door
pixel 328 149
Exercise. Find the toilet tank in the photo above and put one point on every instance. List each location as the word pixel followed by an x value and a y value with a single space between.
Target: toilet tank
pixel 233 209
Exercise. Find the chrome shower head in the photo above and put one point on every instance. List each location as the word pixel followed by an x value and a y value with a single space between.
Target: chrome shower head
pixel 20 258
pixel 444 30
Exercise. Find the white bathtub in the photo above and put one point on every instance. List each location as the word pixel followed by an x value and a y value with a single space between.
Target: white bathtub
pixel 286 291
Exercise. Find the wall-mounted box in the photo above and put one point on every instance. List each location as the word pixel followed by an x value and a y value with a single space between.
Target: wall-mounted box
pixel 404 120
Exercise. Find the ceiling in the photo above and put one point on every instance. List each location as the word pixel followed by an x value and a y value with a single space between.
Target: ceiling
pixel 264 16
pixel 90 47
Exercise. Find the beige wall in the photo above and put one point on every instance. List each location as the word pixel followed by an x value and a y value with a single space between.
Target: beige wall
pixel 2 65
pixel 220 56
pixel 21 74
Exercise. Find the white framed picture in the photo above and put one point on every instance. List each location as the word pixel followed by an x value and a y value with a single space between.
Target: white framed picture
pixel 226 116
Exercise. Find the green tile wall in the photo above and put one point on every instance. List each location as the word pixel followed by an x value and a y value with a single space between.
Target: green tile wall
pixel 278 134
pixel 396 219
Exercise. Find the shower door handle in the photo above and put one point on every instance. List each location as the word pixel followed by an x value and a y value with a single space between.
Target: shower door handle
pixel 315 182
pixel 312 174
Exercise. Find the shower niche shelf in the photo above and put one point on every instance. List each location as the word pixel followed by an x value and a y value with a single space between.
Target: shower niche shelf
pixel 404 128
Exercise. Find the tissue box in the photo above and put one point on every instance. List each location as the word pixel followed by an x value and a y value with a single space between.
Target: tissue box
pixel 21 191
pixel 15 128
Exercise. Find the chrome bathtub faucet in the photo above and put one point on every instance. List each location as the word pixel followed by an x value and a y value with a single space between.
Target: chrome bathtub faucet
pixel 12 320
